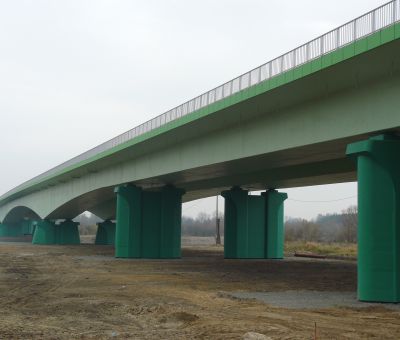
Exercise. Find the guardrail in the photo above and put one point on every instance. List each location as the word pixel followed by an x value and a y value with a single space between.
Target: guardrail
pixel 356 29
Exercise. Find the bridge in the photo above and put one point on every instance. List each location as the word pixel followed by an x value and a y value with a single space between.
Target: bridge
pixel 325 112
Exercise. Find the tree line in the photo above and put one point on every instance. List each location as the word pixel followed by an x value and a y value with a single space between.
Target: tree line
pixel 341 227
pixel 324 228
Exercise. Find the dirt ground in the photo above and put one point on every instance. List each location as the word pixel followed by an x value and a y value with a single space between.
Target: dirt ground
pixel 82 292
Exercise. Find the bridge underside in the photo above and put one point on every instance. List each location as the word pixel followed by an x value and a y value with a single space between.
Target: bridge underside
pixel 324 163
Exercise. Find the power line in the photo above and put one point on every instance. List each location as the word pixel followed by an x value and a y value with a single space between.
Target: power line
pixel 327 201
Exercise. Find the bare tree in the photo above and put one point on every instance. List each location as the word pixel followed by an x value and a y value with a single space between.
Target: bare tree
pixel 350 222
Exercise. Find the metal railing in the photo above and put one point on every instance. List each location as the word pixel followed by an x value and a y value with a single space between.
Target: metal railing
pixel 356 29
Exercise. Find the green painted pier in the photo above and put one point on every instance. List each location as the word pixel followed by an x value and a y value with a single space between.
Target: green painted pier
pixel 326 112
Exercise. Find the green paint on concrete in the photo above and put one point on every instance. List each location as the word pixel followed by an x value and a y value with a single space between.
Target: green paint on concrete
pixel 22 228
pixel 67 233
pixel 235 213
pixel 47 232
pixel 44 233
pixel 129 221
pixel 105 233
pixel 275 234
pixel 253 224
pixel 10 230
pixel 171 222
pixel 378 162
pixel 148 223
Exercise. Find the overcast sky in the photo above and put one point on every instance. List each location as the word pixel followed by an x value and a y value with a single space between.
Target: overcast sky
pixel 76 73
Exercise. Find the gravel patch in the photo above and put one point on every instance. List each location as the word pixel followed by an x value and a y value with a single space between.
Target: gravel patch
pixel 308 299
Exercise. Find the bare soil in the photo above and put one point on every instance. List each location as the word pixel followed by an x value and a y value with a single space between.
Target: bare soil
pixel 83 292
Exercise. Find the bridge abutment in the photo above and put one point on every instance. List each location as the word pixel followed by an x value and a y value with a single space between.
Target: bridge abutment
pixel 105 234
pixel 253 224
pixel 378 167
pixel 148 223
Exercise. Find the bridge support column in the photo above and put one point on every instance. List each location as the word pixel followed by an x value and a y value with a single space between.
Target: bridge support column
pixel 10 230
pixel 25 227
pixel 275 227
pixel 45 232
pixel 67 233
pixel 148 223
pixel 378 171
pixel 105 233
pixel 253 224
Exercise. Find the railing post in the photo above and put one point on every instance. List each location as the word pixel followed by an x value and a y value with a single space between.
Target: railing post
pixel 270 69
pixel 373 24
pixel 322 45
pixel 336 39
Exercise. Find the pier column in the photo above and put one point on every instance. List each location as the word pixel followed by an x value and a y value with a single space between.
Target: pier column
pixel 129 221
pixel 11 230
pixel 148 222
pixel 67 232
pixel 45 232
pixel 17 229
pixel 253 224
pixel 275 228
pixel 170 222
pixel 48 232
pixel 378 172
pixel 105 233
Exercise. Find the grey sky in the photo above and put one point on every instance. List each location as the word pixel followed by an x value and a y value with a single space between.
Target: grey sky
pixel 76 73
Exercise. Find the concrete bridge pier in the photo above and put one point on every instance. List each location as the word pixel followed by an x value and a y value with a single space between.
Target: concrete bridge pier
pixel 25 227
pixel 47 232
pixel 44 232
pixel 105 234
pixel 274 223
pixel 148 223
pixel 378 167
pixel 68 232
pixel 253 224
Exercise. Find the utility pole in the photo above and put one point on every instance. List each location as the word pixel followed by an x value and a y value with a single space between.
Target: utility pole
pixel 217 222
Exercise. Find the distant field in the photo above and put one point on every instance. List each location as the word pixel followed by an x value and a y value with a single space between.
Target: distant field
pixel 199 240
pixel 186 240
pixel 89 239
pixel 329 249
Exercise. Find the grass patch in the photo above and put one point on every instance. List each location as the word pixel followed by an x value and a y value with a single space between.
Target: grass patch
pixel 335 249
